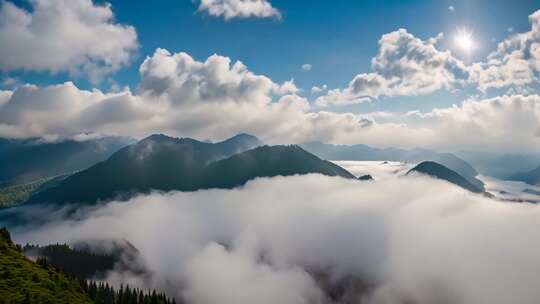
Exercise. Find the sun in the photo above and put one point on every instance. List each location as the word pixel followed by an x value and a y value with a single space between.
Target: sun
pixel 464 40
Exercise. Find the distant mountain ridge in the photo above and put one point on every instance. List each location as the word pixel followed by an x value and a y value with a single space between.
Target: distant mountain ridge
pixel 164 163
pixel 441 172
pixel 500 165
pixel 28 160
pixel 366 153
pixel 530 177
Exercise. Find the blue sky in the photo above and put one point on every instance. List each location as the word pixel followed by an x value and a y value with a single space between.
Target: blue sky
pixel 338 38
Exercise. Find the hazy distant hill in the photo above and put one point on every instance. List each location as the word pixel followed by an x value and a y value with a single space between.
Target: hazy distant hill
pixel 500 165
pixel 367 153
pixel 530 177
pixel 25 161
pixel 441 172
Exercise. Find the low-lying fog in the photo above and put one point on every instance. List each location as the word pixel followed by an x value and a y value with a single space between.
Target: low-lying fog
pixel 410 239
pixel 502 189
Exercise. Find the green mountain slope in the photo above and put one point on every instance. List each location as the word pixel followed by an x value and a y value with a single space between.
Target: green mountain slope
pixel 14 195
pixel 23 281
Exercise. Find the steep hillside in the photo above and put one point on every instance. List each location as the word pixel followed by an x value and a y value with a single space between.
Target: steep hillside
pixel 14 195
pixel 23 281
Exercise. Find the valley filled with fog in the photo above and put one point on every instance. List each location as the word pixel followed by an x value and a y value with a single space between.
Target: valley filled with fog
pixel 407 239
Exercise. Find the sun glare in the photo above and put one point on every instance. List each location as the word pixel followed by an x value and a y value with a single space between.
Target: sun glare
pixel 464 40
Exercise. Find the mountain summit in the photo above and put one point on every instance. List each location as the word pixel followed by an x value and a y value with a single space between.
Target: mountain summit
pixel 164 163
pixel 441 172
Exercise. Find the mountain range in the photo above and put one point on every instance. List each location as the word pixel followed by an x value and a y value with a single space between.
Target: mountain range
pixel 367 153
pixel 159 162
pixel 500 165
pixel 164 163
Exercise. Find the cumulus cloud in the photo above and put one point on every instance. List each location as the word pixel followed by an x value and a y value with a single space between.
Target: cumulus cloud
pixel 74 36
pixel 516 62
pixel 217 98
pixel 178 95
pixel 183 79
pixel 64 110
pixel 405 65
pixel 279 247
pixel 229 9
pixel 499 123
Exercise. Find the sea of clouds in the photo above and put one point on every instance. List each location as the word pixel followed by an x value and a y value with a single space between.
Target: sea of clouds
pixel 318 239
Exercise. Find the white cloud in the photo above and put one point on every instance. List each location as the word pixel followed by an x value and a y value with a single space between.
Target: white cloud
pixel 501 123
pixel 405 65
pixel 515 63
pixel 177 95
pixel 229 9
pixel 217 98
pixel 185 80
pixel 317 89
pixel 306 67
pixel 72 36
pixel 229 246
pixel 64 110
pixel 451 8
pixel 408 66
pixel 4 97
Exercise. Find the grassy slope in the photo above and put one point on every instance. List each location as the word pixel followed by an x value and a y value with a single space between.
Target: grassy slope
pixel 21 279
pixel 13 195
